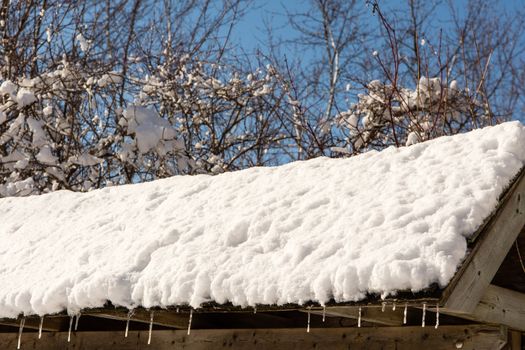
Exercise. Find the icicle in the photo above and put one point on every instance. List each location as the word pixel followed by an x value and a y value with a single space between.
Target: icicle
pixel 437 316
pixel 177 310
pixel 359 318
pixel 324 313
pixel 308 323
pixel 394 306
pixel 40 327
pixel 130 313
pixel 20 330
pixel 255 309
pixel 424 314
pixel 405 314
pixel 76 321
pixel 383 304
pixel 150 327
pixel 70 326
pixel 189 322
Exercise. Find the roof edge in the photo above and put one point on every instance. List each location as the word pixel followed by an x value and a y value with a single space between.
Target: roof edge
pixel 491 245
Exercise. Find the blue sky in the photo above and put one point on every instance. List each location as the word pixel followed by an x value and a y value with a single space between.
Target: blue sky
pixel 250 32
pixel 251 29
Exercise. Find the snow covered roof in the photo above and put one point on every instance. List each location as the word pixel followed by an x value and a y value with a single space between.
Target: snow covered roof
pixel 326 228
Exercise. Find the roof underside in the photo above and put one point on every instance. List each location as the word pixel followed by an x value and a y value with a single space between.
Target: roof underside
pixel 511 274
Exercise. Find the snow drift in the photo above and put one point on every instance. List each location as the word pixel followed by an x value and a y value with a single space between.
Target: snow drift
pixel 313 230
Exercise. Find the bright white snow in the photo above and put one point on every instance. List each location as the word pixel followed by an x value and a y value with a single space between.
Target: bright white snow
pixel 149 128
pixel 313 230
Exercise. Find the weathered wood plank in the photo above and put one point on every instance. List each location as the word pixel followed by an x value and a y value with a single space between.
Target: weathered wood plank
pixel 503 306
pixel 368 314
pixel 163 318
pixel 500 306
pixel 468 286
pixel 51 323
pixel 210 320
pixel 477 337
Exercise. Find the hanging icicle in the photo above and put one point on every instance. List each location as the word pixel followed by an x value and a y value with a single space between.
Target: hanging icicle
pixel 359 317
pixel 20 330
pixel 130 313
pixel 70 326
pixel 255 309
pixel 383 305
pixel 424 315
pixel 189 321
pixel 40 327
pixel 76 321
pixel 324 313
pixel 394 306
pixel 150 326
pixel 405 314
pixel 308 323
pixel 437 316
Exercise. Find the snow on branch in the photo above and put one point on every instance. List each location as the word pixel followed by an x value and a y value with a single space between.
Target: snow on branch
pixel 392 115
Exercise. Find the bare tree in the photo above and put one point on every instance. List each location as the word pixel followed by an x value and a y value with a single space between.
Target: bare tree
pixel 93 93
pixel 405 81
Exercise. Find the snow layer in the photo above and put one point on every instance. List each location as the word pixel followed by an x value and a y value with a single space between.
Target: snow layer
pixel 379 222
pixel 148 127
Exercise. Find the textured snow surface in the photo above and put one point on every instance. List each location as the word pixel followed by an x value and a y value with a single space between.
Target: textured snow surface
pixel 313 230
pixel 148 127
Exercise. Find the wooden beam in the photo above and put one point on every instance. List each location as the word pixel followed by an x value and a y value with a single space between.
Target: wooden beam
pixel 503 306
pixel 479 337
pixel 51 323
pixel 499 306
pixel 209 320
pixel 163 318
pixel 368 314
pixel 466 289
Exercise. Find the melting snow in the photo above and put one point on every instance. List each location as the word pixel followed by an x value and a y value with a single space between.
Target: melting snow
pixel 313 230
